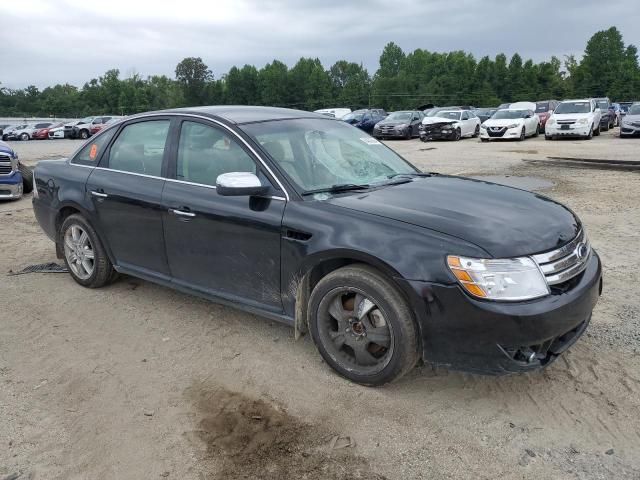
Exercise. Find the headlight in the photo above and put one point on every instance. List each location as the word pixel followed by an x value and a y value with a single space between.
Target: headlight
pixel 483 127
pixel 499 279
pixel 513 125
pixel 582 121
pixel 551 121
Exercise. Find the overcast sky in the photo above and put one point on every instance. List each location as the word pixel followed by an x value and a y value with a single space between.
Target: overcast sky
pixel 46 42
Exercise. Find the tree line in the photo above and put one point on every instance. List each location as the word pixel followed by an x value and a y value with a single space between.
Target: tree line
pixel 402 80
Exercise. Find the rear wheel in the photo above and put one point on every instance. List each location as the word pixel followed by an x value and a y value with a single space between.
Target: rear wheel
pixel 84 254
pixel 606 127
pixel 84 134
pixel 27 178
pixel 362 326
pixel 537 132
pixel 476 133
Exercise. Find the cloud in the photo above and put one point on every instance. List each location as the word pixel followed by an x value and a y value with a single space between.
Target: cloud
pixel 64 41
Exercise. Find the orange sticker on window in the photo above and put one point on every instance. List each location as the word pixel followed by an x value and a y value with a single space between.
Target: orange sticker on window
pixel 93 152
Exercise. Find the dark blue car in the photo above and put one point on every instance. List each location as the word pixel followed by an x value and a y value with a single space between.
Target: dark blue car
pixel 365 119
pixel 15 178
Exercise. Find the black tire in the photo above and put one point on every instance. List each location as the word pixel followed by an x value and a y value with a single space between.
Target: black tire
pixel 5 138
pixel 606 127
pixel 458 135
pixel 537 131
pixel 476 133
pixel 24 137
pixel 365 283
pixel 407 135
pixel 595 133
pixel 523 134
pixel 548 137
pixel 103 272
pixel 84 134
pixel 484 139
pixel 27 178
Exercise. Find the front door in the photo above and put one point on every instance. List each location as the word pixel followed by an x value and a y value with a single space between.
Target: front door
pixel 221 245
pixel 126 191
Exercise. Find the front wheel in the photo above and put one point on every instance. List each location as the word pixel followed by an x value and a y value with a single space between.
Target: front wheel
pixel 27 178
pixel 476 133
pixel 596 132
pixel 606 127
pixel 24 137
pixel 84 254
pixel 523 134
pixel 457 135
pixel 362 326
pixel 84 134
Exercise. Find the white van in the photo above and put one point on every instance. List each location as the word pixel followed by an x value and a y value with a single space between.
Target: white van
pixel 334 112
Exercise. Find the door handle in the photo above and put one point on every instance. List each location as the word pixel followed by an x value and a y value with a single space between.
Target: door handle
pixel 182 213
pixel 99 194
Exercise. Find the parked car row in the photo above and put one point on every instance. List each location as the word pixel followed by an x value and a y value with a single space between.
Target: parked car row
pixel 82 129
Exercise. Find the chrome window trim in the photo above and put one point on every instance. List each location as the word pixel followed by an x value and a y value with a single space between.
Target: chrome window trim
pixel 202 117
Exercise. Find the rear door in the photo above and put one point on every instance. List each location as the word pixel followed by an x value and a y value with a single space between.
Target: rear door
pixel 221 245
pixel 126 191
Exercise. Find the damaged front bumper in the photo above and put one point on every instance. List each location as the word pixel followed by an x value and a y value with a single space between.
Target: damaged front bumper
pixel 490 337
pixel 437 131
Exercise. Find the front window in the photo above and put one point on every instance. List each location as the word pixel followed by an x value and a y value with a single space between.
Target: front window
pixel 634 110
pixel 353 116
pixel 400 116
pixel 509 114
pixel 542 107
pixel 574 107
pixel 320 154
pixel 451 115
pixel 205 152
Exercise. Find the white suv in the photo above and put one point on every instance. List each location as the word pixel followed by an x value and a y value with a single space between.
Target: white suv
pixel 574 118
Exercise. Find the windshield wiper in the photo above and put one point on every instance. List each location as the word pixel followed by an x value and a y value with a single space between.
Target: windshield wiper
pixel 412 174
pixel 342 187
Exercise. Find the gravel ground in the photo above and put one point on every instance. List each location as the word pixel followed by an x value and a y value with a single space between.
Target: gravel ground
pixel 136 381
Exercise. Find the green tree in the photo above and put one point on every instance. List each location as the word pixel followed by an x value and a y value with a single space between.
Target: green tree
pixel 193 75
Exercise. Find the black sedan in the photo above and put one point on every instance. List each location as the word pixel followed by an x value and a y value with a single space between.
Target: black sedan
pixel 301 218
pixel 402 124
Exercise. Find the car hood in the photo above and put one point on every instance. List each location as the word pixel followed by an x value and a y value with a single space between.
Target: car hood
pixel 432 120
pixel 571 116
pixel 393 123
pixel 631 118
pixel 504 221
pixel 502 122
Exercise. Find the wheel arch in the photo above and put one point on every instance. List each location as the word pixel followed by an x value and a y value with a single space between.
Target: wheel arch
pixel 67 209
pixel 316 267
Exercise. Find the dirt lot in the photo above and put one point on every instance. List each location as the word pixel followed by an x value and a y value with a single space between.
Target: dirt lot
pixel 136 381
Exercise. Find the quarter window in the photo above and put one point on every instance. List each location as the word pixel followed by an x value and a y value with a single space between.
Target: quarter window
pixel 140 148
pixel 91 152
pixel 205 152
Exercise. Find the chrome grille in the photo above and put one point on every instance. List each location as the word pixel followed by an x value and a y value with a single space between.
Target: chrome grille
pixel 566 262
pixel 5 165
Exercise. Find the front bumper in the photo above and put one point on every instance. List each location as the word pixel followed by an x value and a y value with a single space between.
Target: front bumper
pixel 11 186
pixel 437 134
pixel 629 130
pixel 390 133
pixel 501 133
pixel 574 130
pixel 488 337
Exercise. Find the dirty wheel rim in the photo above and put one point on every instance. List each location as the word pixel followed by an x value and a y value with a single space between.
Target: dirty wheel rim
pixel 355 331
pixel 79 252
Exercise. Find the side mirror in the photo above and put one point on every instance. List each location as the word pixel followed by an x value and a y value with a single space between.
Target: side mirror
pixel 529 116
pixel 238 184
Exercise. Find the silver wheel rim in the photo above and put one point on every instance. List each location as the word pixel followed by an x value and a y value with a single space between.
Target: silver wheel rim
pixel 79 252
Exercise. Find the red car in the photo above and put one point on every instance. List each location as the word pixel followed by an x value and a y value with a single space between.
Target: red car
pixel 101 122
pixel 544 109
pixel 43 133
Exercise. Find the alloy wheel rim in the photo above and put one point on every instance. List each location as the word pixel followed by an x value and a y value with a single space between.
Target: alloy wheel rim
pixel 79 252
pixel 354 331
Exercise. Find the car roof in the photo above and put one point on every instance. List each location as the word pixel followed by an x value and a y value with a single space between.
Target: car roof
pixel 240 114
